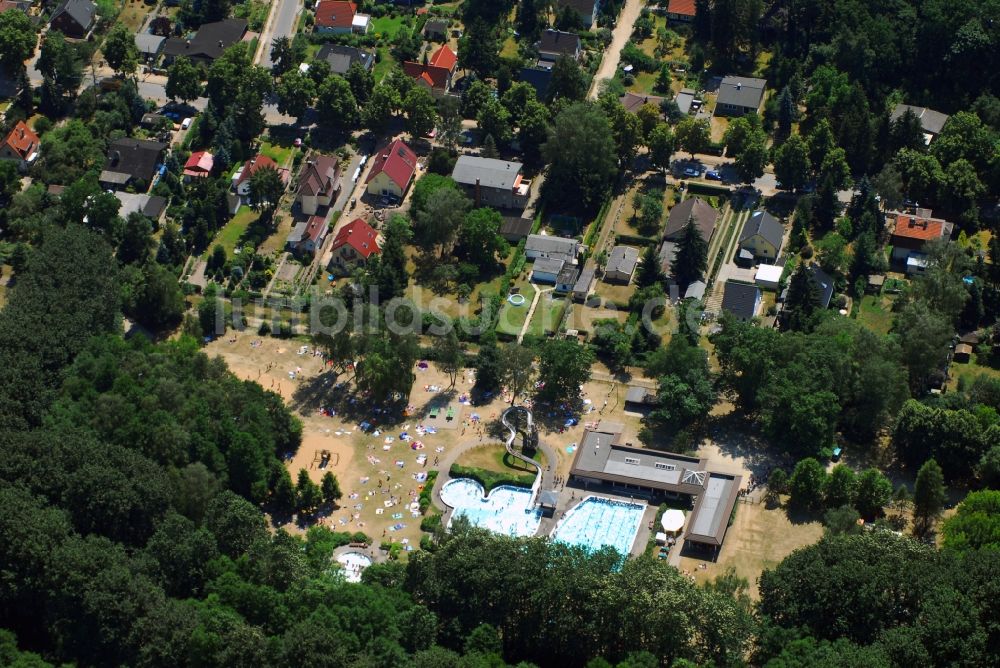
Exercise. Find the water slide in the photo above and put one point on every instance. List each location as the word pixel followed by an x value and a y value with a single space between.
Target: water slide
pixel 529 433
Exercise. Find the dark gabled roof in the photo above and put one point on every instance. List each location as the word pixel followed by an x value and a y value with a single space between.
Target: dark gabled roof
pixel 340 58
pixel 582 7
pixel 515 227
pixel 568 274
pixel 135 157
pixel 211 40
pixel 822 283
pixel 556 41
pixel 81 11
pixel 538 78
pixel 740 299
pixel 705 217
pixel 436 27
pixel 931 121
pixel 766 225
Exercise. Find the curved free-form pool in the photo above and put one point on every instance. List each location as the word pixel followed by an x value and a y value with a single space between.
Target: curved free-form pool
pixel 597 521
pixel 505 511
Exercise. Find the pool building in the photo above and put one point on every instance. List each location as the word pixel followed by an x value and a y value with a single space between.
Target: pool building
pixel 602 460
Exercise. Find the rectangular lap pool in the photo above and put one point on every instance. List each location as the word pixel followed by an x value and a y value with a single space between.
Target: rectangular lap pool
pixel 597 521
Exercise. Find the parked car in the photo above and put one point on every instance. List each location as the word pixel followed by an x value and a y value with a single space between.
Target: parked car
pixel 713 175
pixel 186 123
pixel 692 171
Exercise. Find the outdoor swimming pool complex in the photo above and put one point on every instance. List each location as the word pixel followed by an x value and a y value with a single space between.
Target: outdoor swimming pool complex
pixel 505 511
pixel 597 521
pixel 354 563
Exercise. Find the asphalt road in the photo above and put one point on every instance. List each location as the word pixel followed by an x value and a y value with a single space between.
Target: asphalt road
pixel 282 24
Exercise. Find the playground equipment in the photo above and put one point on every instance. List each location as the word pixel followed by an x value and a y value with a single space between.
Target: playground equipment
pixel 529 440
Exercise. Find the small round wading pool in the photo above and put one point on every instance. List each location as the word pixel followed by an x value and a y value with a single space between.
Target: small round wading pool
pixel 354 563
pixel 516 299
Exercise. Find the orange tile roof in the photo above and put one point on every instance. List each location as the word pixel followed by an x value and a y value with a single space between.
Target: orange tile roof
pixel 22 140
pixel 444 57
pixel 335 14
pixel 922 229
pixel 360 236
pixel 435 77
pixel 681 7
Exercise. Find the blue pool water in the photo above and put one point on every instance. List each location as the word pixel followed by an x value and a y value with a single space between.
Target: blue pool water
pixel 597 521
pixel 505 511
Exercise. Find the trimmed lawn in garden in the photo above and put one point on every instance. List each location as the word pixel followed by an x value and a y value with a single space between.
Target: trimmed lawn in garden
pixel 384 64
pixel 512 317
pixel 970 371
pixel 232 231
pixel 280 154
pixel 875 313
pixel 387 26
pixel 547 316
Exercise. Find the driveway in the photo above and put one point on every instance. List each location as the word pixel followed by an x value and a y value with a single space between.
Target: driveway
pixel 619 38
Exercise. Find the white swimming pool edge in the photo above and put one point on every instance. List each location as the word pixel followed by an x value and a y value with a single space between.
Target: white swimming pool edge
pixel 606 499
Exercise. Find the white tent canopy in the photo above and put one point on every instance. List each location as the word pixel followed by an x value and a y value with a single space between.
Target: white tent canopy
pixel 672 520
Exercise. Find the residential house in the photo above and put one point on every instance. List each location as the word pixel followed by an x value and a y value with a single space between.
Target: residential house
pixel 739 95
pixel 768 276
pixel 211 40
pixel 353 246
pixel 18 5
pixel 20 145
pixel 587 9
pixel 513 228
pixel 492 182
pixel 566 279
pixel 151 206
pixel 665 255
pixel 762 235
pixel 822 284
pixel 584 284
pixel 307 237
pixel 705 218
pixel 634 101
pixel 681 11
pixel 639 399
pixel 437 74
pixel 199 165
pixel 392 170
pixel 696 290
pixel 340 58
pixel 436 30
pixel 538 78
pixel 336 17
pixel 154 121
pixel 931 122
pixel 241 179
pixel 910 234
pixel 621 264
pixel 132 162
pixel 555 43
pixel 319 183
pixel 742 300
pixel 538 246
pixel 149 46
pixel 547 269
pixel 74 18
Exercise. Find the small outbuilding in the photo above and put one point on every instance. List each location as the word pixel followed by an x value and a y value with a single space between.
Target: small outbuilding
pixel 963 353
pixel 768 276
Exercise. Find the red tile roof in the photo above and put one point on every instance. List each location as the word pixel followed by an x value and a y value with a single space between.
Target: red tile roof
pixel 921 229
pixel 360 236
pixel 681 7
pixel 335 14
pixel 316 229
pixel 444 57
pixel 398 162
pixel 199 164
pixel 259 161
pixel 22 140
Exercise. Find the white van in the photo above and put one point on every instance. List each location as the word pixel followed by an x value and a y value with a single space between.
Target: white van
pixel 186 123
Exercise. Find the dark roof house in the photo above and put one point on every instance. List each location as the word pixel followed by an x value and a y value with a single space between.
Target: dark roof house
pixel 340 58
pixel 931 122
pixel 739 95
pixel 514 228
pixel 555 43
pixel 539 78
pixel 74 18
pixel 131 160
pixel 823 285
pixel 762 235
pixel 586 9
pixel 741 299
pixel 634 101
pixel 436 29
pixel 211 40
pixel 705 217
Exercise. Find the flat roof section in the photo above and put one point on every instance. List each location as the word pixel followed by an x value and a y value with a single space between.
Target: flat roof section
pixel 599 457
pixel 710 518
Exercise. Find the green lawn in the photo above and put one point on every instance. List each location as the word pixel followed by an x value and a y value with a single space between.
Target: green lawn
pixel 548 315
pixel 645 82
pixel 280 154
pixel 512 317
pixel 875 313
pixel 970 371
pixel 387 26
pixel 231 232
pixel 384 64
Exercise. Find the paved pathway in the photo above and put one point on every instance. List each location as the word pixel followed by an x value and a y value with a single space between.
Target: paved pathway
pixel 531 310
pixel 619 38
